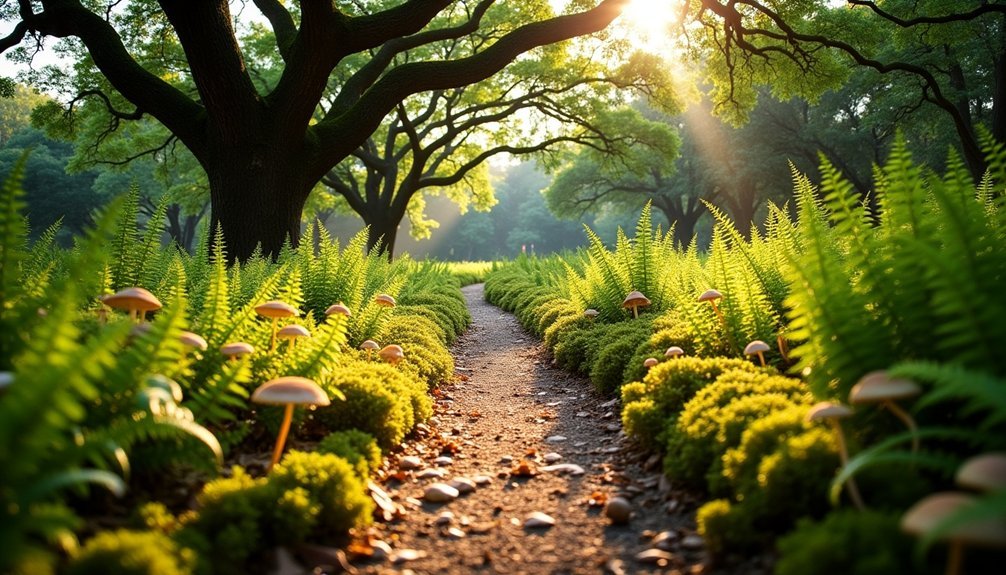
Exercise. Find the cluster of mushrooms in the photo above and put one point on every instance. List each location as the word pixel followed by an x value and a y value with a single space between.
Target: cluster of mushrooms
pixel 287 391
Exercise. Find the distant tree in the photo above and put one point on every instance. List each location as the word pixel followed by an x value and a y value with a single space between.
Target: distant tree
pixel 15 110
pixel 51 193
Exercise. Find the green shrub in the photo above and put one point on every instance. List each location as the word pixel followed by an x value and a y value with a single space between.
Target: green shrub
pixel 724 526
pixel 549 313
pixel 329 482
pixel 563 327
pixel 132 553
pixel 379 400
pixel 848 542
pixel 761 439
pixel 697 441
pixel 655 347
pixel 573 348
pixel 642 419
pixel 417 337
pixel 610 361
pixel 793 481
pixel 357 447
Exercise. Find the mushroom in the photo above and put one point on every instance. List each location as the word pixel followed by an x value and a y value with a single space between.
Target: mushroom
pixel 392 354
pixel 134 300
pixel 288 391
pixel 650 362
pixel 274 310
pixel 370 346
pixel 674 351
pixel 384 300
pixel 635 300
pixel 986 472
pixel 192 340
pixel 832 413
pixel 236 350
pixel 929 514
pixel 879 387
pixel 591 313
pixel 339 308
pixel 292 332
pixel 757 347
pixel 711 295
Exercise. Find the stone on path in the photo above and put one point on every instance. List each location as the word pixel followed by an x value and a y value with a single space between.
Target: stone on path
pixel 537 519
pixel 654 556
pixel 409 462
pixel 463 485
pixel 440 493
pixel 552 457
pixel 618 510
pixel 563 468
pixel 555 439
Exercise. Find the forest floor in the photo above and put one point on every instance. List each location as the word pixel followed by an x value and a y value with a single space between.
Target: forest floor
pixel 503 424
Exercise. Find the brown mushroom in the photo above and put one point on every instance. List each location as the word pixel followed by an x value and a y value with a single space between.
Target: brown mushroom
pixel 135 300
pixel 384 300
pixel 832 413
pixel 236 350
pixel 985 472
pixel 339 308
pixel 275 310
pixel 369 346
pixel 192 340
pixel 930 512
pixel 879 387
pixel 711 296
pixel 292 332
pixel 392 354
pixel 650 362
pixel 591 313
pixel 288 391
pixel 757 347
pixel 674 351
pixel 635 300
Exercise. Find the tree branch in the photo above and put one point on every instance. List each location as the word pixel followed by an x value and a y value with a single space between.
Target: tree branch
pixel 983 8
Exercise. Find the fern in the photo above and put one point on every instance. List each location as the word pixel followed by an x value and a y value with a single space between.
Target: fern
pixel 124 266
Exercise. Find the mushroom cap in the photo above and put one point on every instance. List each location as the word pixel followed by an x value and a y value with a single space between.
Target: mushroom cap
pixel 930 511
pixel 370 344
pixel 290 389
pixel 710 294
pixel 591 313
pixel 384 300
pixel 650 362
pixel 878 386
pixel 756 346
pixel 132 298
pixel 237 348
pixel 674 351
pixel 391 353
pixel 636 299
pixel 339 308
pixel 275 308
pixel 985 472
pixel 292 331
pixel 190 339
pixel 827 410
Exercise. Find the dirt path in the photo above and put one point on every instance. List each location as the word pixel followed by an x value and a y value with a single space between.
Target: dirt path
pixel 510 407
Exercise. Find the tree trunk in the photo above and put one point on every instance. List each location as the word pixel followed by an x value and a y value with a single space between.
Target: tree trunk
pixel 257 198
pixel 383 232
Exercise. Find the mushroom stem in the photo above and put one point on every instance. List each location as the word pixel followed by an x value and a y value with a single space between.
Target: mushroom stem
pixel 281 440
pixel 290 348
pixel 132 314
pixel 272 340
pixel 719 314
pixel 635 314
pixel 843 454
pixel 907 420
pixel 143 315
pixel 761 358
pixel 955 557
pixel 783 347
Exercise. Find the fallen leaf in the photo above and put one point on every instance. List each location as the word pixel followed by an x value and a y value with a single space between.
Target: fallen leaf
pixel 524 469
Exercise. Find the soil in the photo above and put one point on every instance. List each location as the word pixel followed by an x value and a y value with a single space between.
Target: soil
pixel 506 410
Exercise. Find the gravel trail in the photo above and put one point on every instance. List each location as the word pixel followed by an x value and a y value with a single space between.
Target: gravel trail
pixel 507 410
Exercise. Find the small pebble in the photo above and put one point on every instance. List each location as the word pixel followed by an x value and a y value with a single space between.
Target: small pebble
pixel 552 457
pixel 381 550
pixel 440 493
pixel 693 542
pixel 563 468
pixel 404 555
pixel 433 472
pixel 454 533
pixel 665 540
pixel 443 460
pixel 409 462
pixel 506 459
pixel 538 519
pixel 481 480
pixel 618 510
pixel 654 556
pixel 444 518
pixel 463 485
pixel 555 439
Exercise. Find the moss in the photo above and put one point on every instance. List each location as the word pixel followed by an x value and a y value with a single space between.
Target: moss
pixel 609 364
pixel 329 482
pixel 849 542
pixel 379 400
pixel 724 526
pixel 656 345
pixel 761 439
pixel 132 553
pixel 357 447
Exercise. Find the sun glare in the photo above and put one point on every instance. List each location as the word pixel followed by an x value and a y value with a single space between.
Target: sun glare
pixel 650 23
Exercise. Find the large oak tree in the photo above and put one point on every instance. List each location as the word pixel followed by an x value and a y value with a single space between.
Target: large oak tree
pixel 264 151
